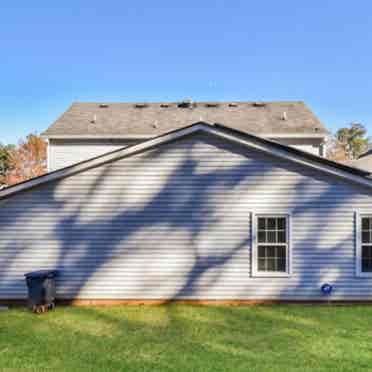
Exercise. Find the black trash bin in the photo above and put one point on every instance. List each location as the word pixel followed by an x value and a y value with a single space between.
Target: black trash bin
pixel 41 290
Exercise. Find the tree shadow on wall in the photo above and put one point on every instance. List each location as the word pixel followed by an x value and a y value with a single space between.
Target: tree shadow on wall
pixel 128 222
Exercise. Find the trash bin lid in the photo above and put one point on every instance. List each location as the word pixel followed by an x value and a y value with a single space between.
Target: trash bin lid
pixel 42 274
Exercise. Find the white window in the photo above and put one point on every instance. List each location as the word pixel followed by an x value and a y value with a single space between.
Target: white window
pixel 271 248
pixel 364 245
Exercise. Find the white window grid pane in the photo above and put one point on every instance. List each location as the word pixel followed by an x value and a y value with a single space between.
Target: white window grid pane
pixel 367 258
pixel 366 246
pixel 368 232
pixel 276 258
pixel 276 231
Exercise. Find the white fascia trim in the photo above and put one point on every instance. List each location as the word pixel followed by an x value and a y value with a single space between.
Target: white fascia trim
pixel 294 135
pixel 146 136
pixel 131 150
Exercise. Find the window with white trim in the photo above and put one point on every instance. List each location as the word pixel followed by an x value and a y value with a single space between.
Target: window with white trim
pixel 366 245
pixel 272 245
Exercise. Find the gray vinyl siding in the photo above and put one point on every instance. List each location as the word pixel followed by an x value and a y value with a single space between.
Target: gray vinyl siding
pixel 175 222
pixel 65 152
pixel 312 145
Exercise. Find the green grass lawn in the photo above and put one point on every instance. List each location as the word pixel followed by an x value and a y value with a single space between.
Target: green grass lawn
pixel 188 338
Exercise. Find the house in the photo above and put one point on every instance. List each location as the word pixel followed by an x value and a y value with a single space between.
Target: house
pixel 87 130
pixel 364 161
pixel 201 213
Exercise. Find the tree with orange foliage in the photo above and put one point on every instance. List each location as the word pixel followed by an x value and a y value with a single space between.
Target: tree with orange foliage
pixel 27 160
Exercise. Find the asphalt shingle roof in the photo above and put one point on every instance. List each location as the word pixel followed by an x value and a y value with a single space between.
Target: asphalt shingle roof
pixel 152 119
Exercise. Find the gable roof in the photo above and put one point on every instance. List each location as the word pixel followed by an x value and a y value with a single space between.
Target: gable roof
pixel 133 120
pixel 355 175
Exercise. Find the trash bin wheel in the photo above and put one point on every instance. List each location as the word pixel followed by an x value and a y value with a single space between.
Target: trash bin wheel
pixel 40 309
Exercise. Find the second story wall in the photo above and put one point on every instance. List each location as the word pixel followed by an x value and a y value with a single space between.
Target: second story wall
pixel 315 146
pixel 66 152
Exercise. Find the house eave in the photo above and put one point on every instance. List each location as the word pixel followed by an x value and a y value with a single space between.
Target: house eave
pixel 96 136
pixel 143 136
pixel 354 175
pixel 294 135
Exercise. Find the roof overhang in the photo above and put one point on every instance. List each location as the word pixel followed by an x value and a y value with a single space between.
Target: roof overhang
pixel 351 174
pixel 95 136
pixel 143 137
pixel 294 135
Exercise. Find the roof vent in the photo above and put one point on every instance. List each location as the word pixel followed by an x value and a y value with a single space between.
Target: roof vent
pixel 187 103
pixel 284 116
pixel 140 105
pixel 211 104
pixel 103 105
pixel 259 104
pixel 233 104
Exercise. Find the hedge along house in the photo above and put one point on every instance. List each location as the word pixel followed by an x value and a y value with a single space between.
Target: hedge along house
pixel 202 213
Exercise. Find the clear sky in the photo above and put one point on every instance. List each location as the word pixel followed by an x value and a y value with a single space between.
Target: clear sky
pixel 53 53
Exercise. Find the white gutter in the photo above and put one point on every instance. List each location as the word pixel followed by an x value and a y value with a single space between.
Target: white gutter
pixel 146 136
pixel 97 136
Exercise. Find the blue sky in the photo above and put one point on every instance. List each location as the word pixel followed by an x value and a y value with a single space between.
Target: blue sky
pixel 54 53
